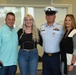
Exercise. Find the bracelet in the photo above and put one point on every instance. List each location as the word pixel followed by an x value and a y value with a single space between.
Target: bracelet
pixel 72 64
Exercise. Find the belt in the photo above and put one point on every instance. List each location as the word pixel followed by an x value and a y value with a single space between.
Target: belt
pixel 51 54
pixel 29 49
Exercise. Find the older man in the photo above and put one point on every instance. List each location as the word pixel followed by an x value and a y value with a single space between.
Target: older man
pixel 8 46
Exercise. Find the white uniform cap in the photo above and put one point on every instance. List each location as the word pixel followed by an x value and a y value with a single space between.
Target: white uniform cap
pixel 50 10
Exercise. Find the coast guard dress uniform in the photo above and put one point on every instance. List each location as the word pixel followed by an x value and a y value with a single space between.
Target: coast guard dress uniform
pixel 51 36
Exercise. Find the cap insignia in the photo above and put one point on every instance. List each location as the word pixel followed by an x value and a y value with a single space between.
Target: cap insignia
pixel 49 9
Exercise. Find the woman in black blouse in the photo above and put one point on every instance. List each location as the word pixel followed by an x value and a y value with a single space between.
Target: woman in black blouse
pixel 29 37
pixel 68 46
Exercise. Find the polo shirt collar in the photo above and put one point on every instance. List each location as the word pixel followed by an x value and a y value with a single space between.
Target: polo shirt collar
pixel 8 27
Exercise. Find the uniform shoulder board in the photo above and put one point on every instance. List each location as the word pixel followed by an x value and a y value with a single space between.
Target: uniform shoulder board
pixel 72 33
pixel 43 25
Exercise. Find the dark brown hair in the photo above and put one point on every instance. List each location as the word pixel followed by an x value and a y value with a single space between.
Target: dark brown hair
pixel 10 13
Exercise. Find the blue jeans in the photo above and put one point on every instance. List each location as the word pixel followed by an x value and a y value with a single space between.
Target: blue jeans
pixel 28 62
pixel 8 70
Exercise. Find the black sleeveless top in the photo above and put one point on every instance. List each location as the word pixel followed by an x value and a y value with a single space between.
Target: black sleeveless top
pixel 26 41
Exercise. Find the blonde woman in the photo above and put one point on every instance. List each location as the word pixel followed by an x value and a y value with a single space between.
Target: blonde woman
pixel 29 37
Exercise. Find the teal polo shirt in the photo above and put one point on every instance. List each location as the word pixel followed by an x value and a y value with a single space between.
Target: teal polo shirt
pixel 8 46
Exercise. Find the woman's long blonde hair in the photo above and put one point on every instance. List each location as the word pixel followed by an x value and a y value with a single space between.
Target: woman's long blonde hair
pixel 35 35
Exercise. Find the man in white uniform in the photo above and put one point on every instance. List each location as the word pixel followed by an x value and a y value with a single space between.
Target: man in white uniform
pixel 51 33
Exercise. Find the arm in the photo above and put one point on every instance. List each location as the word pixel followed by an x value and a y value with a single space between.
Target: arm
pixel 0 38
pixel 0 44
pixel 40 39
pixel 70 68
pixel 19 35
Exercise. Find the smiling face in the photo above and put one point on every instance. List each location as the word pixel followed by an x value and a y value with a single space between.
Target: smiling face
pixel 68 22
pixel 10 20
pixel 28 21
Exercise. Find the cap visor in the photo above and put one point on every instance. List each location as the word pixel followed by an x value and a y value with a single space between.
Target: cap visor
pixel 50 13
